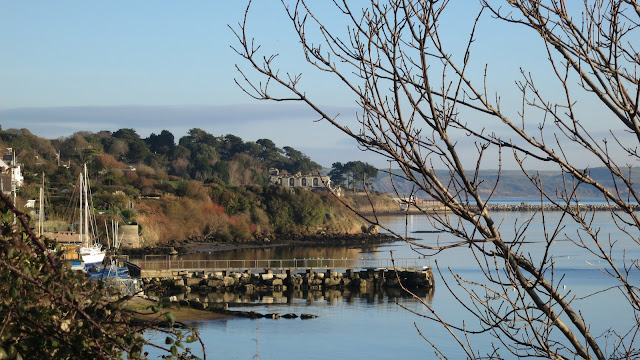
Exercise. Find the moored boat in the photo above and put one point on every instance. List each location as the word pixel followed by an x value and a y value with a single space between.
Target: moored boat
pixel 91 251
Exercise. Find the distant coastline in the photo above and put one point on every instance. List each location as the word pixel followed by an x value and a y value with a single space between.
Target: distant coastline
pixel 525 206
pixel 516 204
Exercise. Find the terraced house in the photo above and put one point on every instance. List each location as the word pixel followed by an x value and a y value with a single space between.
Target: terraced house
pixel 298 180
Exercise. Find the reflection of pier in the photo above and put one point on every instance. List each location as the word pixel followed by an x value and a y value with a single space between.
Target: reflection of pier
pixel 328 296
pixel 164 266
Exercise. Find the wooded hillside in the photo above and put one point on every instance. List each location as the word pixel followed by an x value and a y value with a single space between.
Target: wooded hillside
pixel 203 187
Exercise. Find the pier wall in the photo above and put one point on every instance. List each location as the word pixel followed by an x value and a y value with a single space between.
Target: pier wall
pixel 525 206
pixel 204 283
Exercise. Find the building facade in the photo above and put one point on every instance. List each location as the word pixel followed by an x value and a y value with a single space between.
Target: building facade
pixel 10 173
pixel 298 180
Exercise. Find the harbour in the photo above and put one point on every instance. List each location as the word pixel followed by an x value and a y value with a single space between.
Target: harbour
pixel 362 323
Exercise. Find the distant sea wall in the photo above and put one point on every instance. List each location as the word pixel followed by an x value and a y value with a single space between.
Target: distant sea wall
pixel 525 206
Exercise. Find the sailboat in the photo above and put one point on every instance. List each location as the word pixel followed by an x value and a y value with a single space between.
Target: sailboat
pixel 110 269
pixel 82 248
pixel 90 251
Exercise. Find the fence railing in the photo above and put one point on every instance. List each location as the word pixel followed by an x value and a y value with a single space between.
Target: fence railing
pixel 166 263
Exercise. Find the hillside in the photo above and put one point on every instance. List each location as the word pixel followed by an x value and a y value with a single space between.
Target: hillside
pixel 202 188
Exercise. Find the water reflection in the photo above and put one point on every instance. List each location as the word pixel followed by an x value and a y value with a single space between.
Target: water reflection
pixel 309 297
pixel 285 252
pixel 370 325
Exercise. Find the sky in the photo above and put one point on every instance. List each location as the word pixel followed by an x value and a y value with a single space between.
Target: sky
pixel 74 65
pixel 68 66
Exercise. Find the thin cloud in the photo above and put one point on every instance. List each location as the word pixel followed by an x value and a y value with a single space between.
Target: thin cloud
pixel 290 124
pixel 53 122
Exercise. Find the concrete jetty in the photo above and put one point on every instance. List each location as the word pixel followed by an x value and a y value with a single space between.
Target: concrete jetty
pixel 164 266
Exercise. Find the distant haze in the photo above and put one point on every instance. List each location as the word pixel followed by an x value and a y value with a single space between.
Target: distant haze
pixel 286 124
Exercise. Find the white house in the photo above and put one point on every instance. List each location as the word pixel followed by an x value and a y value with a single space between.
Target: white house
pixel 298 180
pixel 10 173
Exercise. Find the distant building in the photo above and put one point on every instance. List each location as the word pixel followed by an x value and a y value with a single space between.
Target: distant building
pixel 10 173
pixel 298 180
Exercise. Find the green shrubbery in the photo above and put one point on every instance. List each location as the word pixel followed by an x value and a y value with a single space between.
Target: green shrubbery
pixel 48 311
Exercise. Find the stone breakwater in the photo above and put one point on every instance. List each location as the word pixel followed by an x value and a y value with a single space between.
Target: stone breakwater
pixel 247 282
pixel 214 291
pixel 548 207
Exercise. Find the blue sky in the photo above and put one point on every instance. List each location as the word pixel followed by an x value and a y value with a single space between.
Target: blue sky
pixel 77 65
pixel 149 65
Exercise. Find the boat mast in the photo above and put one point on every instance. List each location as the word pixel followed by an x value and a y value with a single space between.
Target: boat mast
pixel 41 208
pixel 86 204
pixel 80 211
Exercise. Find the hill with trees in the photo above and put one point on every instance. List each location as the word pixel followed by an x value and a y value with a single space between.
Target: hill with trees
pixel 201 186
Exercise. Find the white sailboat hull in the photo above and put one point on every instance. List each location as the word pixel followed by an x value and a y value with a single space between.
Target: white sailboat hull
pixel 92 255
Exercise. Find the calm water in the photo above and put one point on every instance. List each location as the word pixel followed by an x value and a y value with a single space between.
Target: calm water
pixel 378 327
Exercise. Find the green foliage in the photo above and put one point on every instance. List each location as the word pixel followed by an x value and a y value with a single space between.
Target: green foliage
pixel 48 311
pixel 293 211
pixel 231 145
pixel 128 215
pixel 220 172
pixel 199 155
pixel 297 162
pixel 161 144
pixel 354 174
pixel 307 208
pixel 15 139
pixel 232 200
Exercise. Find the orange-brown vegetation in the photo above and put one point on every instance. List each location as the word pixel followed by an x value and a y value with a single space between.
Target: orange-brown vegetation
pixel 108 162
pixel 364 203
pixel 175 218
pixel 241 214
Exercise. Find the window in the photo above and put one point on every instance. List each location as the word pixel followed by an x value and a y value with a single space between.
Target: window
pixel 315 181
pixel 292 182
pixel 304 181
pixel 279 181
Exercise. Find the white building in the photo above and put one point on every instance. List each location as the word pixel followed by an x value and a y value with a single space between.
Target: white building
pixel 10 173
pixel 298 180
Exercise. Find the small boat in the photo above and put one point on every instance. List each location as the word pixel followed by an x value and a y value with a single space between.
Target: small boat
pixel 109 272
pixel 91 252
pixel 91 256
pixel 114 271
